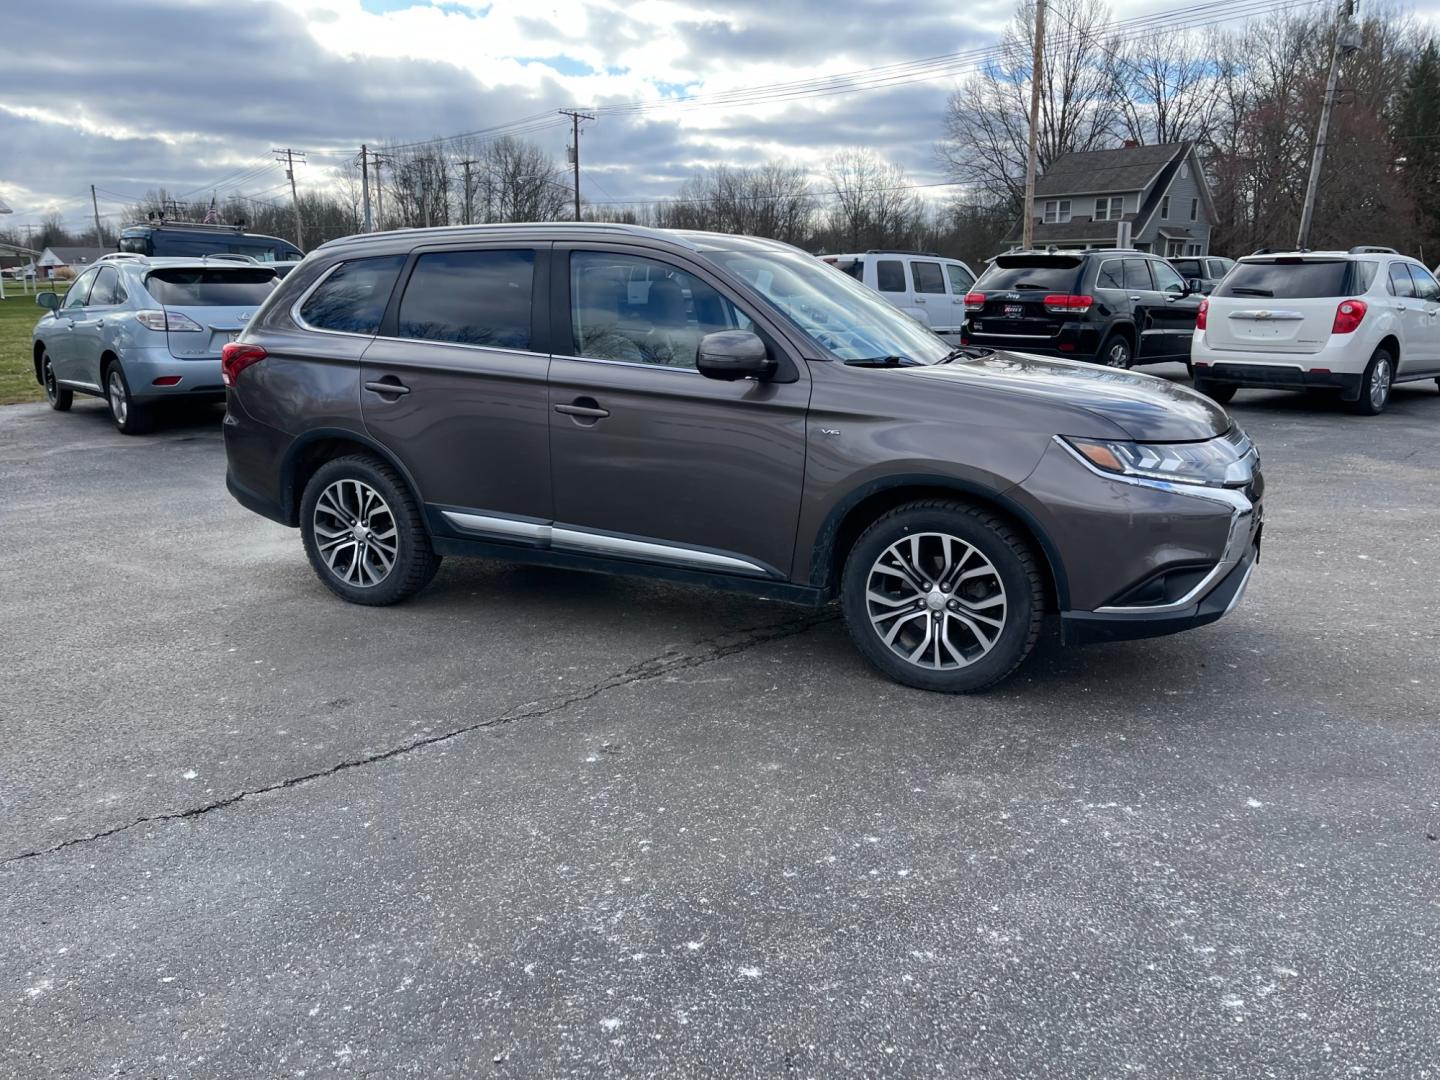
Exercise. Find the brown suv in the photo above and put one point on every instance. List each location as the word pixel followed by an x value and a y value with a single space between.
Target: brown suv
pixel 728 411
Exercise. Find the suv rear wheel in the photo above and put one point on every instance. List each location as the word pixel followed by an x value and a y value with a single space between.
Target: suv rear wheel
pixel 943 596
pixel 1116 352
pixel 130 418
pixel 1375 385
pixel 363 532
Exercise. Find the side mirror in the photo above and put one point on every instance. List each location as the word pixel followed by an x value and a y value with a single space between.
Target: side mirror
pixel 729 355
pixel 48 300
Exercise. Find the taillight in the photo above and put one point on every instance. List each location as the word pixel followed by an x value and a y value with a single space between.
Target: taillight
pixel 1202 316
pixel 1348 316
pixel 173 321
pixel 1065 303
pixel 975 301
pixel 235 358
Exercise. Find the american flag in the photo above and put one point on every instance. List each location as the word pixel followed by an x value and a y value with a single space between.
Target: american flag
pixel 212 216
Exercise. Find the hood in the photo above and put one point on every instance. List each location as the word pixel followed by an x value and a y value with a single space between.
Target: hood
pixel 1145 408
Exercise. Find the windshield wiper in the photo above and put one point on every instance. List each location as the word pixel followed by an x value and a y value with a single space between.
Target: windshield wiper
pixel 969 352
pixel 882 361
pixel 1240 290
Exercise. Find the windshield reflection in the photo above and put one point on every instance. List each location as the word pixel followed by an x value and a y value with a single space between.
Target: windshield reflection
pixel 836 311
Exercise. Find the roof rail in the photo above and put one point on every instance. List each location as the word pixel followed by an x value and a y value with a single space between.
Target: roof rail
pixel 122 256
pixel 1372 249
pixel 902 251
pixel 229 256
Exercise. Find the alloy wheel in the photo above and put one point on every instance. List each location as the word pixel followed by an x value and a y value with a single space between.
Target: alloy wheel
pixel 1118 355
pixel 119 400
pixel 936 600
pixel 1380 383
pixel 355 533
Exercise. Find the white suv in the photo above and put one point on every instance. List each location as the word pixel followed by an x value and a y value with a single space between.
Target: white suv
pixel 928 287
pixel 1357 321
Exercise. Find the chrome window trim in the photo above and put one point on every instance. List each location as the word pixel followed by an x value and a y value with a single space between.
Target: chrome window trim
pixel 628 363
pixel 458 345
pixel 1237 541
pixel 585 542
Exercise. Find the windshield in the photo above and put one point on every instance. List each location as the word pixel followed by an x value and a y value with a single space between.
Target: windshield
pixel 835 310
pixel 210 287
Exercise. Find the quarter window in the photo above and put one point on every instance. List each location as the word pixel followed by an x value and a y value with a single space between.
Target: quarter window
pixel 352 299
pixel 469 298
pixel 890 275
pixel 624 307
pixel 1111 275
pixel 928 278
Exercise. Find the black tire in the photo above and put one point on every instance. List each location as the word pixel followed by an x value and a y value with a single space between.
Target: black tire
pixel 413 560
pixel 1014 566
pixel 59 397
pixel 1375 385
pixel 1216 391
pixel 130 418
pixel 1117 352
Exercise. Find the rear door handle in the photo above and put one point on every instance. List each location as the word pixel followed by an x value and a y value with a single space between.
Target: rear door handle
pixel 389 386
pixel 592 410
pixel 1134 298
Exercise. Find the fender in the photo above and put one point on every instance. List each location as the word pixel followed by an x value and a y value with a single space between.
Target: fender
pixel 824 546
pixel 289 504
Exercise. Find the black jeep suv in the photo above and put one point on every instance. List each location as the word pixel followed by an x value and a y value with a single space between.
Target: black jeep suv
pixel 1114 306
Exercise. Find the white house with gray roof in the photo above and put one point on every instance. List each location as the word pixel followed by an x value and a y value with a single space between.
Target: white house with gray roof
pixel 1154 198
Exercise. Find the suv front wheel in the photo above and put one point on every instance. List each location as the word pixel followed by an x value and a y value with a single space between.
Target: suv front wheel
pixel 942 595
pixel 363 532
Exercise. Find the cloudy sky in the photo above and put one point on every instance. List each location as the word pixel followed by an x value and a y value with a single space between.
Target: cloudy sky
pixel 192 95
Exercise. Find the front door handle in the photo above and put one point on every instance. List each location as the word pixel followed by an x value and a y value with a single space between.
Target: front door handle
pixel 389 386
pixel 585 407
pixel 1135 298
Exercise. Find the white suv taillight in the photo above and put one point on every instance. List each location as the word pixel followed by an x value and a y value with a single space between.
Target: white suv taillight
pixel 167 320
pixel 1348 316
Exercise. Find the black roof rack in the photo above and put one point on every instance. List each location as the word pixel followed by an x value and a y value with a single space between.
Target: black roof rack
pixel 208 226
pixel 1372 249
pixel 903 251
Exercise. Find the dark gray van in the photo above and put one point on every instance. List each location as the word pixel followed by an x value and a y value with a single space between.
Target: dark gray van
pixel 727 411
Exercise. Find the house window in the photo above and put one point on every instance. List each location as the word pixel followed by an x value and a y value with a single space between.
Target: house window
pixel 1111 209
pixel 1174 248
pixel 1165 208
pixel 1194 209
pixel 1192 249
pixel 1057 211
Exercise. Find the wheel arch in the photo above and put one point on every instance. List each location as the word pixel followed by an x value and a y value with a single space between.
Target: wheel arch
pixel 313 449
pixel 37 350
pixel 1392 343
pixel 853 514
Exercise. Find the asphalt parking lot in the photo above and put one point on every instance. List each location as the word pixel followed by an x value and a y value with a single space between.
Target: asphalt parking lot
pixel 538 823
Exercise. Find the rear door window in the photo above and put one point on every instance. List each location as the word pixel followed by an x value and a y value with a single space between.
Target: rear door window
pixel 1288 279
pixel 890 275
pixel 107 291
pixel 927 277
pixel 1137 275
pixel 470 298
pixel 1401 283
pixel 210 286
pixel 352 299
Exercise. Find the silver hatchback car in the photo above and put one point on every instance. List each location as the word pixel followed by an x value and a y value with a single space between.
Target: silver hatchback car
pixel 138 331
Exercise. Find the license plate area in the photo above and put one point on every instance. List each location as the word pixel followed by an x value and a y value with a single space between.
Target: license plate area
pixel 1014 311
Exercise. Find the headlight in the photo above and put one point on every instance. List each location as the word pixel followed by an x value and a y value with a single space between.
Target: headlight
pixel 1221 462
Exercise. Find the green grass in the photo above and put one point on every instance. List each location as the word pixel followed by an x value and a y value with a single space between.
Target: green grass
pixel 18 315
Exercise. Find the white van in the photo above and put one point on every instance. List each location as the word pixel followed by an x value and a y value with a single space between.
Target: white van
pixel 927 286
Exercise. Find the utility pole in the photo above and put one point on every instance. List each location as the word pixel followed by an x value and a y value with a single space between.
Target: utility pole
pixel 1037 73
pixel 365 183
pixel 466 164
pixel 1347 41
pixel 288 156
pixel 95 205
pixel 379 195
pixel 575 118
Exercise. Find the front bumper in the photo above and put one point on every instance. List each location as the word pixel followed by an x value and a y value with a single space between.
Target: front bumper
pixel 1139 557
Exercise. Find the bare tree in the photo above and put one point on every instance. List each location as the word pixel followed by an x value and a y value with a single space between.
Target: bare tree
pixel 874 203
pixel 987 119
pixel 1163 85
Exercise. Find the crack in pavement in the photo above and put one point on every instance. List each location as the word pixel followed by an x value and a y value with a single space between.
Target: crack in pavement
pixel 652 667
